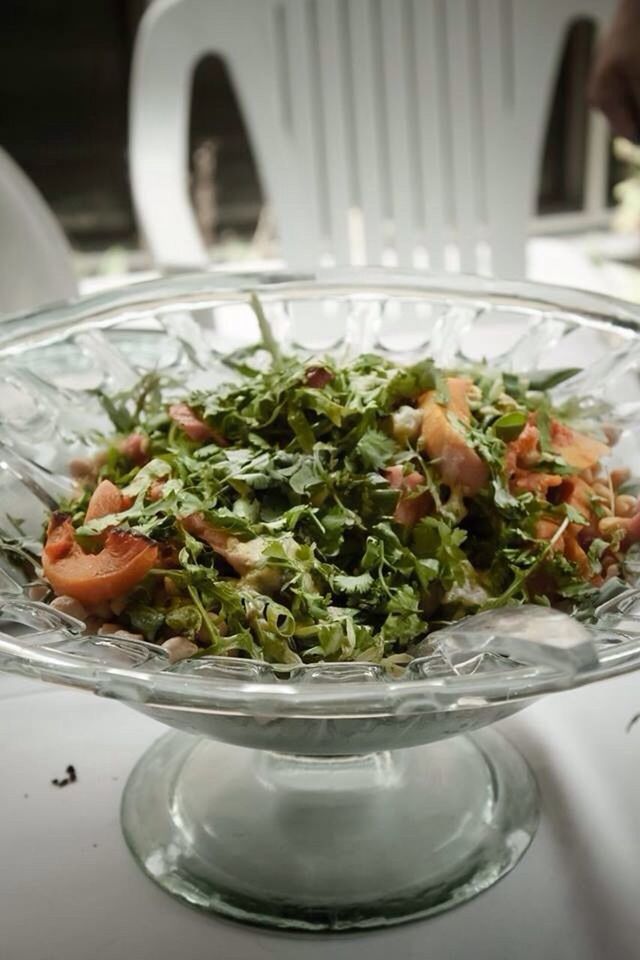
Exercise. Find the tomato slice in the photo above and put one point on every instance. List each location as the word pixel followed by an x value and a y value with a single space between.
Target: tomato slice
pixel 93 577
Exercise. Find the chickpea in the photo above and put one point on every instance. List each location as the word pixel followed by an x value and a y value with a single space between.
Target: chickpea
pixel 625 505
pixel 128 635
pixel 505 402
pixel 118 605
pixel 530 458
pixel 406 423
pixel 474 394
pixel 113 630
pixel 70 606
pixel 170 586
pixel 179 648
pixel 82 468
pixel 608 526
pixel 602 490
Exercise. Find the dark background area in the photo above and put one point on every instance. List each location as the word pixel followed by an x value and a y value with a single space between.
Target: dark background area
pixel 64 77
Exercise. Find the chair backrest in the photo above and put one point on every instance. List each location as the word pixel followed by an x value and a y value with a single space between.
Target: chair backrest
pixel 405 132
pixel 35 260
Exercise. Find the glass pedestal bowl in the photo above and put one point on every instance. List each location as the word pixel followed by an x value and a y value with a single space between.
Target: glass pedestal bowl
pixel 327 796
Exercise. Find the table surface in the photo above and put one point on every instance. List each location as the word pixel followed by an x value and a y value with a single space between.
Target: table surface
pixel 70 889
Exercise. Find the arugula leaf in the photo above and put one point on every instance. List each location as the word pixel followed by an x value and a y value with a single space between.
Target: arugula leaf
pixel 120 417
pixel 320 402
pixel 156 469
pixel 306 478
pixel 301 429
pixel 146 619
pixel 407 383
pixel 546 379
pixel 265 329
pixel 549 463
pixel 224 519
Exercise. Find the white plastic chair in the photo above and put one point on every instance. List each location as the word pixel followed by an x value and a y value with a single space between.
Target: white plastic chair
pixel 405 132
pixel 35 259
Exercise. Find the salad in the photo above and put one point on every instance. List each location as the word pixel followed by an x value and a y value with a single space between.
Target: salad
pixel 311 511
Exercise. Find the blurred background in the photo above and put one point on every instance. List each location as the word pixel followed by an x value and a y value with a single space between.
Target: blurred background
pixel 65 81
pixel 65 76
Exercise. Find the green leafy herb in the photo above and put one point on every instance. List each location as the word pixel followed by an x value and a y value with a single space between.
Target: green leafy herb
pixel 546 379
pixel 510 425
pixel 375 449
pixel 284 536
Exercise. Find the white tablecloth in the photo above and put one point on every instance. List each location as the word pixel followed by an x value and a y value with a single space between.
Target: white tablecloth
pixel 69 890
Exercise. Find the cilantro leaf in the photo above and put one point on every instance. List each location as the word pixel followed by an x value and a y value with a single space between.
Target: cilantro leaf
pixel 359 583
pixel 375 449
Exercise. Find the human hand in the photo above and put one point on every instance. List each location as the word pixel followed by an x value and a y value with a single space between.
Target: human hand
pixel 614 86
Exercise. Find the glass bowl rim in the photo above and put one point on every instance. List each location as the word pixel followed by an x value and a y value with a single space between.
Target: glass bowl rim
pixel 103 309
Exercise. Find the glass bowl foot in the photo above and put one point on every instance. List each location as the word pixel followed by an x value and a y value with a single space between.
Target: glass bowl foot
pixel 329 843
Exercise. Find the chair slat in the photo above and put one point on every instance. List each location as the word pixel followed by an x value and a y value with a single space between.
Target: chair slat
pixel 426 113
pixel 334 83
pixel 498 102
pixel 461 103
pixel 395 39
pixel 308 131
pixel 431 129
pixel 368 126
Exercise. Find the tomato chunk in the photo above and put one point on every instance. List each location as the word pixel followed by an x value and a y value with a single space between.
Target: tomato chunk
pixel 106 499
pixel 458 463
pixel 409 509
pixel 136 448
pixel 193 426
pixel 577 449
pixel 90 578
